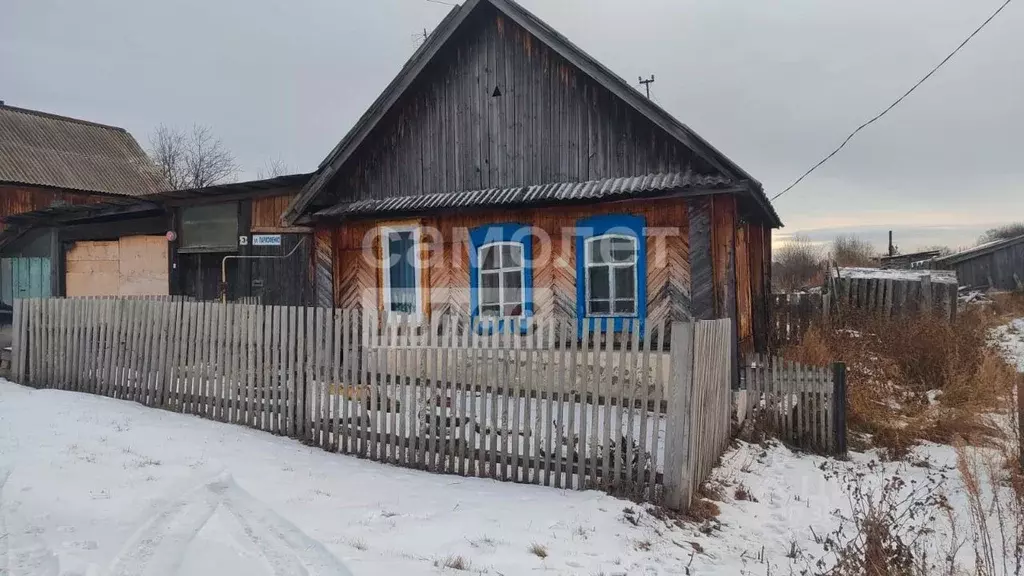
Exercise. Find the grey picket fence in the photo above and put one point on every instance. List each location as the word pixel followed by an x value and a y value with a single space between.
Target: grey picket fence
pixel 803 405
pixel 643 414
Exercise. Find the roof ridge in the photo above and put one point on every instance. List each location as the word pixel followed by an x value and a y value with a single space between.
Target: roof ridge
pixel 62 118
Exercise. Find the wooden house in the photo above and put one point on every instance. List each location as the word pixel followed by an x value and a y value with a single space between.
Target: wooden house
pixel 504 172
pixel 908 261
pixel 997 265
pixel 224 240
pixel 54 162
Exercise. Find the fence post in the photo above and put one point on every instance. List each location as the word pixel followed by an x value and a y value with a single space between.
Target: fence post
pixel 17 342
pixel 679 422
pixel 839 406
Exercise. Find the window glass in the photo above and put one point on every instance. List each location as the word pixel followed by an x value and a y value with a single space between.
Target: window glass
pixel 402 272
pixel 611 276
pixel 209 228
pixel 501 279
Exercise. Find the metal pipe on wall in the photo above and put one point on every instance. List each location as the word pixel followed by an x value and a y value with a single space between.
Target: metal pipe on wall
pixel 224 266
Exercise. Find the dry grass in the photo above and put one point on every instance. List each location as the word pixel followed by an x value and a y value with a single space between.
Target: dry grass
pixel 538 550
pixel 702 510
pixel 454 562
pixel 917 378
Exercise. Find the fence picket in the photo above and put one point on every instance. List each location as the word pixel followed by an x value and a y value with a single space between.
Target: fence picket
pixel 586 454
pixel 337 375
pixel 545 426
pixel 535 400
pixel 660 344
pixel 473 390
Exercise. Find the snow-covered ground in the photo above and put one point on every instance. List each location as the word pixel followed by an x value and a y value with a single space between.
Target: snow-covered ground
pixel 100 486
pixel 92 486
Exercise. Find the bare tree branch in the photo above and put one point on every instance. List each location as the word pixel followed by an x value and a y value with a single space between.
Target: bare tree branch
pixel 272 169
pixel 194 159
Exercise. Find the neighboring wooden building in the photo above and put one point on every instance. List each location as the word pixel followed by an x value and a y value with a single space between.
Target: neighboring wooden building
pixel 995 265
pixel 235 231
pixel 49 161
pixel 107 249
pixel 505 172
pixel 908 261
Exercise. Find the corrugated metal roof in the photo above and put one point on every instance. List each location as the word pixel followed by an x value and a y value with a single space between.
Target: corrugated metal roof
pixel 42 149
pixel 980 250
pixel 536 194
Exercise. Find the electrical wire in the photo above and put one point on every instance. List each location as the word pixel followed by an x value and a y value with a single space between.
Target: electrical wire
pixel 897 102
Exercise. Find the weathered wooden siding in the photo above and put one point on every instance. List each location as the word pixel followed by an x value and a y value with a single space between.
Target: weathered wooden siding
pixel 744 304
pixel 496 108
pixel 999 270
pixel 758 240
pixel 323 274
pixel 701 261
pixel 357 276
pixel 723 251
pixel 21 199
pixel 286 280
pixel 278 281
pixel 266 214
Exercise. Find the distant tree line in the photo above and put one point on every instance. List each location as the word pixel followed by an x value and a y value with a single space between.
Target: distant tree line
pixel 802 263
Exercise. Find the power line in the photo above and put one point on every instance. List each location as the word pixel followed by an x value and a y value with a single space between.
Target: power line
pixel 443 2
pixel 897 102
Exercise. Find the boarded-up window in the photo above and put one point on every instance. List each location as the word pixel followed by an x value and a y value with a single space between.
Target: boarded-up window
pixel 211 228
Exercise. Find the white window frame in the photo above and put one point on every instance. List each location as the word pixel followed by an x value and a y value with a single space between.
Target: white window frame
pixel 501 270
pixel 587 265
pixel 385 251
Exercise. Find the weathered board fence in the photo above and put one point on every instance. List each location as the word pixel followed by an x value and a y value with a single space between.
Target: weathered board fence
pixel 644 414
pixel 855 291
pixel 793 314
pixel 893 294
pixel 803 405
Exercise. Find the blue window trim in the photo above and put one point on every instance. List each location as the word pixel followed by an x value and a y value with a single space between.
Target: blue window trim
pixel 620 225
pixel 509 232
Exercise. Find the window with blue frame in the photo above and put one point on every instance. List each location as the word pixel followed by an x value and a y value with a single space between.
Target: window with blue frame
pixel 401 270
pixel 611 268
pixel 501 275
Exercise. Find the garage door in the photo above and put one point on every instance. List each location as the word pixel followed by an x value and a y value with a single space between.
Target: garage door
pixel 131 266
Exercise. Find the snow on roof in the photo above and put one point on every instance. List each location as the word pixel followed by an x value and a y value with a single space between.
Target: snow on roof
pixel 941 276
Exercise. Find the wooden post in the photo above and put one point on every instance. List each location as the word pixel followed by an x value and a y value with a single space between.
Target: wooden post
pixel 926 294
pixel 839 406
pixel 679 418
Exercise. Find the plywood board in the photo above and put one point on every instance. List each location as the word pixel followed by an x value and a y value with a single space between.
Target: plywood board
pixel 92 269
pixel 143 266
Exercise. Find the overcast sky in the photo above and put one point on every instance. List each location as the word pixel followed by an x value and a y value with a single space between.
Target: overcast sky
pixel 774 85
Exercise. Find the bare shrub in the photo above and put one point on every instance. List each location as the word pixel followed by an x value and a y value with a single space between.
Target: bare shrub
pixel 798 264
pixel 454 562
pixel 702 510
pixel 853 251
pixel 1004 232
pixel 538 550
pixel 914 377
pixel 994 487
pixel 887 528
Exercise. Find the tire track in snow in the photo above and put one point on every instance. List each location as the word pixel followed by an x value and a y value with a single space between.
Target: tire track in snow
pixel 287 548
pixel 159 547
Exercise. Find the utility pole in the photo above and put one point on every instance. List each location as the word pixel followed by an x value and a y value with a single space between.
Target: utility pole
pixel 647 85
